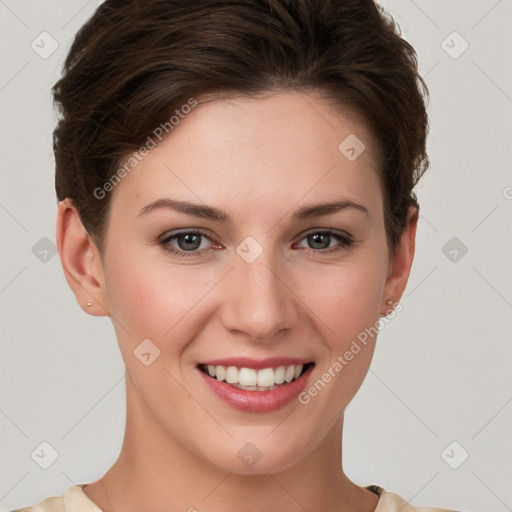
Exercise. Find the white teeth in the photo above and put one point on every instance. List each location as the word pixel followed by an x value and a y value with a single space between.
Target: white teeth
pixel 220 372
pixel 266 377
pixel 254 388
pixel 232 375
pixel 288 374
pixel 260 380
pixel 279 375
pixel 247 377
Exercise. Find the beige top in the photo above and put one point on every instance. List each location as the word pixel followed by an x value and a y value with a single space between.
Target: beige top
pixel 75 500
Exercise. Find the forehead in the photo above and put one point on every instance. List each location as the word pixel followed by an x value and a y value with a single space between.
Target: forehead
pixel 262 152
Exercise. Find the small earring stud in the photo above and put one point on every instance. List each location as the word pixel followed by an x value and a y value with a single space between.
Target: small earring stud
pixel 88 303
pixel 389 302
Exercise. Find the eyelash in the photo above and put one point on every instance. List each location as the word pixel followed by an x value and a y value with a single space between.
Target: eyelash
pixel 344 239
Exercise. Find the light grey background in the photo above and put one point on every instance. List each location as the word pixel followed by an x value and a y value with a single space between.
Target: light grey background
pixel 442 369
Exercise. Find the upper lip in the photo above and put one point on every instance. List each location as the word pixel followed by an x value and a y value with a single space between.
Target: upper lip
pixel 257 364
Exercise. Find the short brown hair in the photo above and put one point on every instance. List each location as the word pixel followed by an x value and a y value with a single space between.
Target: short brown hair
pixel 134 62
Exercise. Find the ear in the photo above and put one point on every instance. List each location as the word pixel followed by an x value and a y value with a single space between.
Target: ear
pixel 400 263
pixel 80 260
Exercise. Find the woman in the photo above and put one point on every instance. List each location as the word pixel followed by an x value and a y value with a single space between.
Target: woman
pixel 281 141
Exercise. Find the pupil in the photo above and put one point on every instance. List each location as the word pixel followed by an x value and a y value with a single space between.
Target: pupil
pixel 187 237
pixel 316 238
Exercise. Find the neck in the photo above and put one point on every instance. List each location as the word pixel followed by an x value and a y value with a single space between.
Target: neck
pixel 155 472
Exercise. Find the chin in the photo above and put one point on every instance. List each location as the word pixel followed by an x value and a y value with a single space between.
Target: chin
pixel 257 457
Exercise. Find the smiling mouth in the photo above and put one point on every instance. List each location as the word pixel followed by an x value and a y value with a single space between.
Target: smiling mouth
pixel 249 379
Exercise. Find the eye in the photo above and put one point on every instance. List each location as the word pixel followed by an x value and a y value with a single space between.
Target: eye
pixel 320 241
pixel 188 242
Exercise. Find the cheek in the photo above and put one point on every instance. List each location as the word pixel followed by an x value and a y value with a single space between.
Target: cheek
pixel 346 301
pixel 155 301
pixel 347 298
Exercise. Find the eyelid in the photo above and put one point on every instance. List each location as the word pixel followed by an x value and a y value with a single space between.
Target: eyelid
pixel 325 230
pixel 206 233
pixel 165 242
pixel 342 237
pixel 182 231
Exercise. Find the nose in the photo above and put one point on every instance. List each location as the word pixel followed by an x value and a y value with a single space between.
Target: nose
pixel 259 300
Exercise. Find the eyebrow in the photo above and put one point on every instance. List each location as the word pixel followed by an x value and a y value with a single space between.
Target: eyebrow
pixel 212 213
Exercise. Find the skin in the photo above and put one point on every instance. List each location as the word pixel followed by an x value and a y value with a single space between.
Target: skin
pixel 259 160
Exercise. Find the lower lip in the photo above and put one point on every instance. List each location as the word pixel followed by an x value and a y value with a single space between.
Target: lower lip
pixel 257 401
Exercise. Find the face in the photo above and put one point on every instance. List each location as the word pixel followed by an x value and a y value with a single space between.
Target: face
pixel 263 281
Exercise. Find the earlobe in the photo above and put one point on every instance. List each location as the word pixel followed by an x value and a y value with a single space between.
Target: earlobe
pixel 80 260
pixel 401 262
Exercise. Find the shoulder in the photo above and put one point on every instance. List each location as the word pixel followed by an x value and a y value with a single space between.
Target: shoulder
pixel 72 500
pixel 391 502
pixel 52 504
